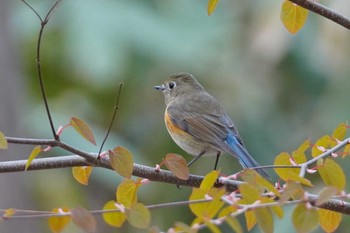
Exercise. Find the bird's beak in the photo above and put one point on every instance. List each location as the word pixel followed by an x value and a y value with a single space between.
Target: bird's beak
pixel 160 87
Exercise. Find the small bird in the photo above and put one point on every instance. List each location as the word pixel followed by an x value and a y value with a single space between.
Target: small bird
pixel 198 124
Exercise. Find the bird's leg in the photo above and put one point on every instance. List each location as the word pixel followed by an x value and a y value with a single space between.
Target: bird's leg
pixel 195 158
pixel 217 159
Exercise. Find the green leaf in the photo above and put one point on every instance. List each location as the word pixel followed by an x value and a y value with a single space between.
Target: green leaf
pixel 293 16
pixel 304 219
pixel 33 154
pixel 249 193
pixel 3 141
pixel 83 129
pixel 138 216
pixel 177 165
pixel 122 162
pixel 115 219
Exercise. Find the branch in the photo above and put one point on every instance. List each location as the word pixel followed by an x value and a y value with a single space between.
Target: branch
pixel 317 8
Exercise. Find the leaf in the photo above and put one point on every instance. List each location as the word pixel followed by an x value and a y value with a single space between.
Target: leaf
pixel 177 165
pixel 292 187
pixel 346 151
pixel 338 134
pixel 122 162
pixel 232 222
pixel 209 180
pixel 33 154
pixel 138 216
pixel 82 174
pixel 211 6
pixel 115 219
pixel 265 220
pixel 293 16
pixel 84 219
pixel 329 220
pixel 250 219
pixel 83 129
pixel 331 173
pixel 277 209
pixel 289 173
pixel 323 142
pixel 304 219
pixel 182 227
pixel 249 193
pixel 58 223
pixel 3 141
pixel 252 177
pixel 127 193
pixel 325 194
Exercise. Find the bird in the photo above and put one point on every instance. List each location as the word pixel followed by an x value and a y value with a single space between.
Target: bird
pixel 198 123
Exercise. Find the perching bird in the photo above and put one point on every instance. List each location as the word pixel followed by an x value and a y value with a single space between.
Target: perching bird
pixel 198 124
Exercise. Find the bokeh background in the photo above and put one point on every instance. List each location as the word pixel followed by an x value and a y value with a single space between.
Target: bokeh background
pixel 278 88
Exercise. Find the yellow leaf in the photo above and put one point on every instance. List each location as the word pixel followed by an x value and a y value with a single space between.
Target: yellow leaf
pixel 338 134
pixel 83 129
pixel 3 141
pixel 325 194
pixel 303 147
pixel 277 209
pixel 211 6
pixel 293 16
pixel 8 213
pixel 265 220
pixel 292 189
pixel 33 154
pixel 289 173
pixel 83 219
pixel 249 193
pixel 122 162
pixel 115 219
pixel 138 216
pixel 232 222
pixel 250 219
pixel 177 165
pixel 346 151
pixel 58 223
pixel 329 220
pixel 331 173
pixel 212 227
pixel 127 193
pixel 209 180
pixel 198 208
pixel 82 174
pixel 304 219
pixel 252 177
pixel 323 142
pixel 182 227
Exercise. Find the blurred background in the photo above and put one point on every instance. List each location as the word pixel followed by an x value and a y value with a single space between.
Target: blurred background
pixel 279 89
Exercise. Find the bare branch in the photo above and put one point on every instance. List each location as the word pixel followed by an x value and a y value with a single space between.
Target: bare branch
pixel 319 9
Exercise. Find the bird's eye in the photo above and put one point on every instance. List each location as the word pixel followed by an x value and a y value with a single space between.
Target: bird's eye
pixel 172 85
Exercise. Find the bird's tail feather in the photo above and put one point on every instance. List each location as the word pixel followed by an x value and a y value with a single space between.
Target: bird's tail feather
pixel 244 158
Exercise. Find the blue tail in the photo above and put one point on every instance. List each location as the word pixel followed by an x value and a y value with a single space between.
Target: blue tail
pixel 244 158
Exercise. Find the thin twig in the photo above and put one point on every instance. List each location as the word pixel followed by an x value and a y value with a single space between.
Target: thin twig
pixel 116 107
pixel 38 61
